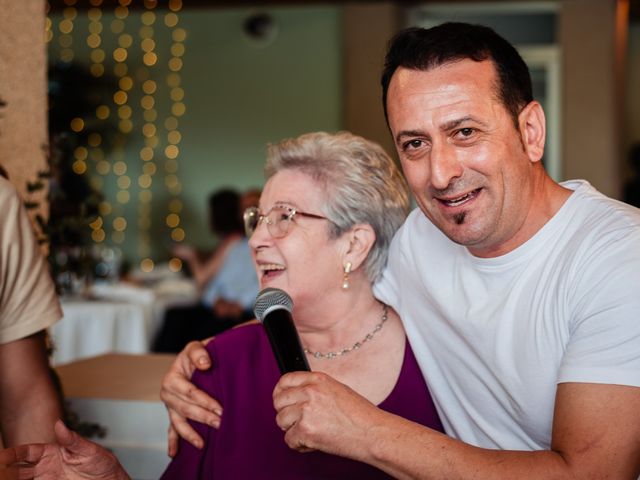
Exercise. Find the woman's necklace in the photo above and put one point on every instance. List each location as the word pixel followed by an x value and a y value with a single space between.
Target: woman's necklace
pixel 368 337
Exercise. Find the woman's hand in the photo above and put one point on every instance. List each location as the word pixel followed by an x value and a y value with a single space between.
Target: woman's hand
pixel 72 458
pixel 183 400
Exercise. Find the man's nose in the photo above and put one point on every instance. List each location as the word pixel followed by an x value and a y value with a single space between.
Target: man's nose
pixel 444 164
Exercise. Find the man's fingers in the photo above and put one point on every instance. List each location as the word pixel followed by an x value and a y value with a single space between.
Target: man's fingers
pixel 25 453
pixel 297 379
pixel 204 402
pixel 181 395
pixel 296 387
pixel 183 400
pixel 195 412
pixel 185 430
pixel 288 417
pixel 66 437
pixel 192 409
pixel 292 439
pixel 74 446
pixel 291 397
pixel 197 355
pixel 172 442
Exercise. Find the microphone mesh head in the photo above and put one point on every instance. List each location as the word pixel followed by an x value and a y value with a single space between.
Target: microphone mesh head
pixel 271 298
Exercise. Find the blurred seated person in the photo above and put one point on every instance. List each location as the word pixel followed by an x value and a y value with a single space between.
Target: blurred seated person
pixel 250 198
pixel 329 210
pixel 226 280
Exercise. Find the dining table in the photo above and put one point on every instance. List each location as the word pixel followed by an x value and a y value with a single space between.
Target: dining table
pixel 121 317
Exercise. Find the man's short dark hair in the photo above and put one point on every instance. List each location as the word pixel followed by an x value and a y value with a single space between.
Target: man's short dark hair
pixel 422 49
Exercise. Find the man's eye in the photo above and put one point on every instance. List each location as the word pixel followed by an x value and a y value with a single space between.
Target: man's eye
pixel 412 144
pixel 466 132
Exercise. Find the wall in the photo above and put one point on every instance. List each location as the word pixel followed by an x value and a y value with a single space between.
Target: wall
pixel 591 116
pixel 367 27
pixel 23 131
pixel 242 97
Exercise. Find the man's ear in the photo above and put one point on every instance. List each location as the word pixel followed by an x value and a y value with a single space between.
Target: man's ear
pixel 359 241
pixel 532 130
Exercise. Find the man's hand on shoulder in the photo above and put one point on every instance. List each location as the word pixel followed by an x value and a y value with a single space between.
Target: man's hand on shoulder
pixel 184 401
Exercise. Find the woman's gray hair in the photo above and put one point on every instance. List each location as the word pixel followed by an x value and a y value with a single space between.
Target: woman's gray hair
pixel 363 185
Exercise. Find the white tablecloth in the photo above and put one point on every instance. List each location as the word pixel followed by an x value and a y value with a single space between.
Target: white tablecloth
pixel 91 328
pixel 124 319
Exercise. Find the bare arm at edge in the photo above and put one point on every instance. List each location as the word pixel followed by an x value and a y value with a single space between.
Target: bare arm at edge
pixel 29 403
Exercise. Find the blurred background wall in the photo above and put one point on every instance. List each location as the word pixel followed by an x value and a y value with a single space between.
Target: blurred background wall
pixel 194 114
pixel 23 113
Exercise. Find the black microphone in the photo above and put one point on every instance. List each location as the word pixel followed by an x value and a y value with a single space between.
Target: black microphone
pixel 273 308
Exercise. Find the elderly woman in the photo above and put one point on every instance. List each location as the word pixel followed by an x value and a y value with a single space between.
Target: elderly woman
pixel 329 209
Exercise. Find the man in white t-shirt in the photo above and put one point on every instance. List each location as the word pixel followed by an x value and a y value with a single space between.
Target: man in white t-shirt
pixel 519 295
pixel 29 404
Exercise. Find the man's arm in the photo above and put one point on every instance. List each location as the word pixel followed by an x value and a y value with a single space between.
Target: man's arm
pixel 596 434
pixel 29 403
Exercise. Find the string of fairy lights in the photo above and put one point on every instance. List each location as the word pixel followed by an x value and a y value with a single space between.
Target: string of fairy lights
pixel 148 152
pixel 171 125
pixel 139 106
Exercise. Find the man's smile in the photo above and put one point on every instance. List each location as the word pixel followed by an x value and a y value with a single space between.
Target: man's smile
pixel 460 199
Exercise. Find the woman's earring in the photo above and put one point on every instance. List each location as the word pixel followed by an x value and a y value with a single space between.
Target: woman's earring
pixel 345 276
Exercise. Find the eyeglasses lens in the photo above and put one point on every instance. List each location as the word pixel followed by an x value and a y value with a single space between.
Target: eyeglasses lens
pixel 277 221
pixel 251 218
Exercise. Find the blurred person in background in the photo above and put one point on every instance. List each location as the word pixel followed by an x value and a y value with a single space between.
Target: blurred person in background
pixel 226 278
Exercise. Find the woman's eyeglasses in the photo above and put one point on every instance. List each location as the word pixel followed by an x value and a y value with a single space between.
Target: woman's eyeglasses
pixel 277 219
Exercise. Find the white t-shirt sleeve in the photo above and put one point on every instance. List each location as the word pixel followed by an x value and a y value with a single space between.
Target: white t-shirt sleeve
pixel 28 301
pixel 605 324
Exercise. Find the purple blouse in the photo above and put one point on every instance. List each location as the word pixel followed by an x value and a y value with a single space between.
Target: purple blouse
pixel 249 444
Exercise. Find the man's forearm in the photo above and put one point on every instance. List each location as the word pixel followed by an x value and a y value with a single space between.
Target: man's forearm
pixel 31 420
pixel 29 403
pixel 595 434
pixel 406 450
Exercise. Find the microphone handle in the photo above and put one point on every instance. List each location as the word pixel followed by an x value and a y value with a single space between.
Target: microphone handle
pixel 285 342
